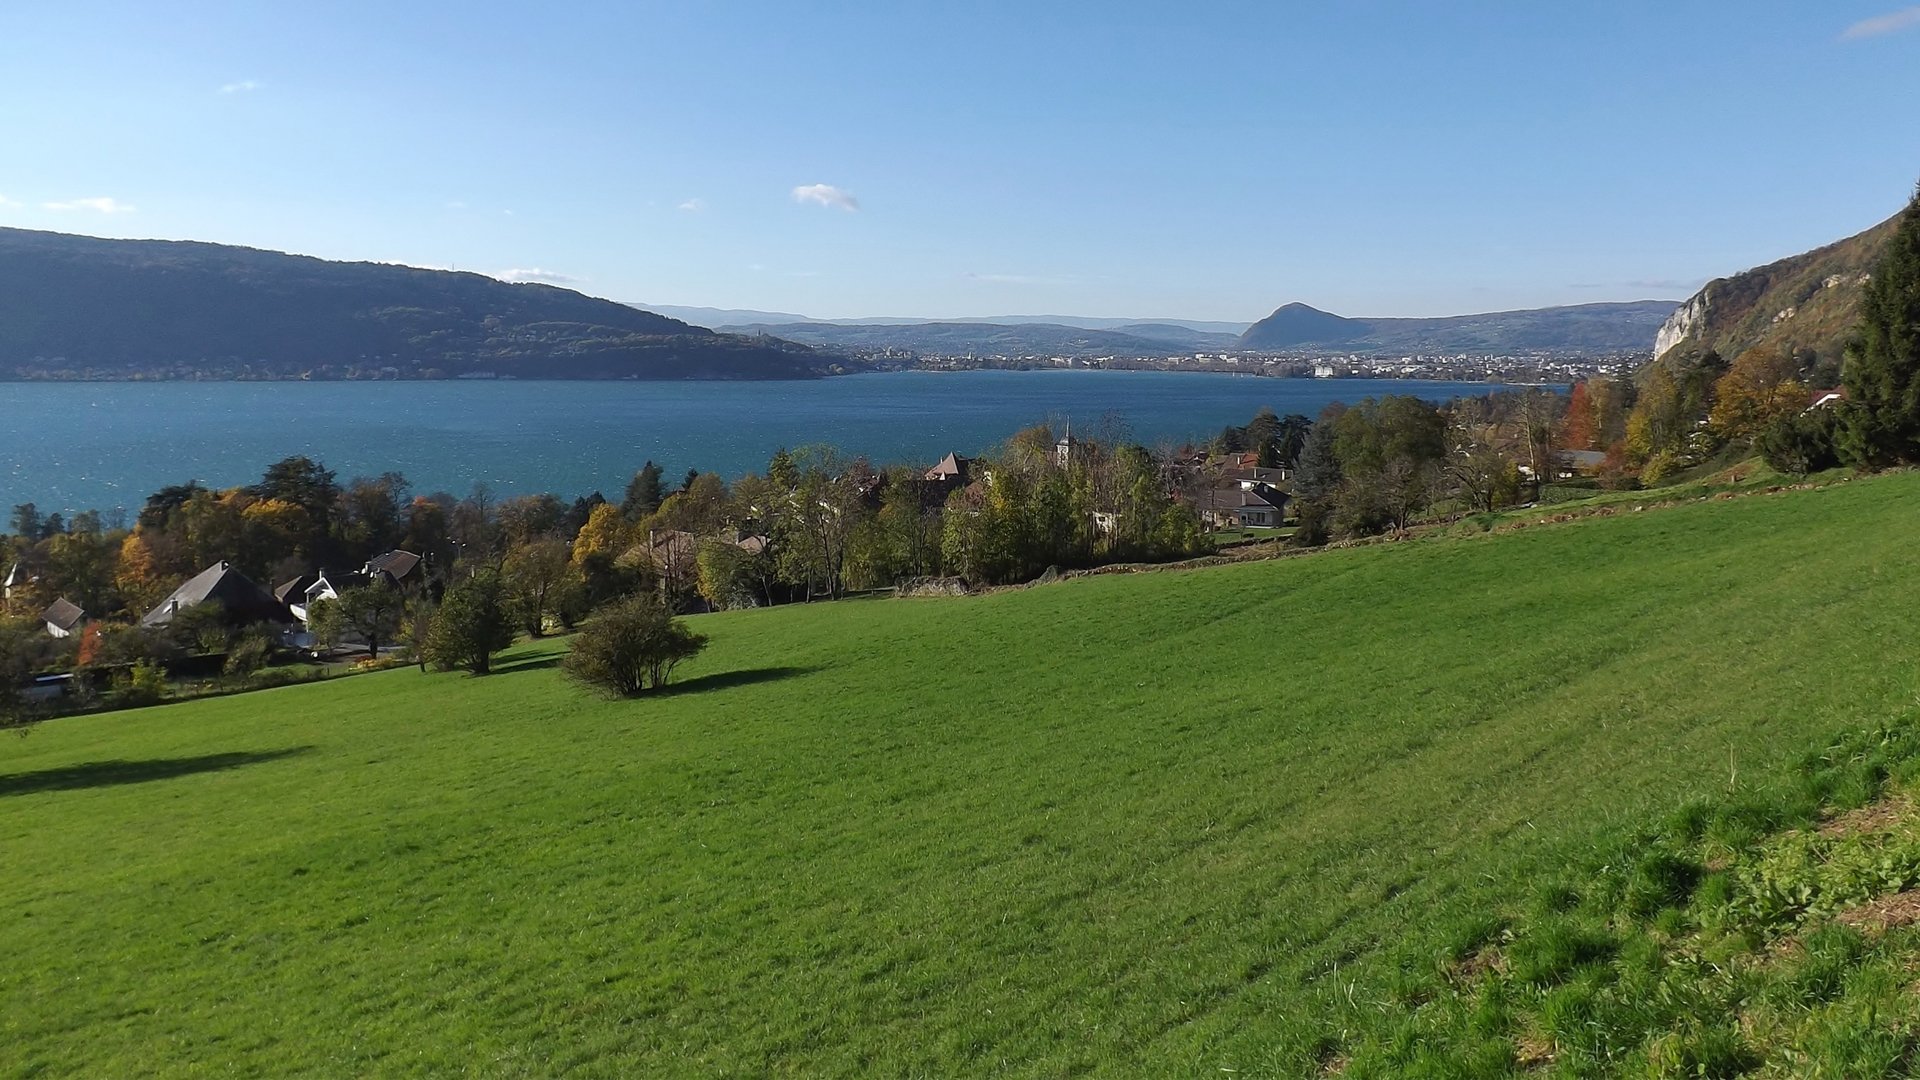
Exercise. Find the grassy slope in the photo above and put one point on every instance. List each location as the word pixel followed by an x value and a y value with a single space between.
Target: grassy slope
pixel 1124 825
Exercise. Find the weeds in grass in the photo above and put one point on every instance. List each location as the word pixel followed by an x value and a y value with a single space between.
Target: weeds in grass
pixel 1658 965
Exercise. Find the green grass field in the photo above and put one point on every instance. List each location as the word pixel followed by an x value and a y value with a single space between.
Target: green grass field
pixel 1149 825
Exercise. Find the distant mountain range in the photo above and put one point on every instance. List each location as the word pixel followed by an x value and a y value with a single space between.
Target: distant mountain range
pixel 78 306
pixel 997 339
pixel 741 317
pixel 1587 329
pixel 1806 305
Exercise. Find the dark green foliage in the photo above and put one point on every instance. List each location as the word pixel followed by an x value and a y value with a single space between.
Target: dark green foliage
pixel 248 655
pixel 27 523
pixel 631 647
pixel 1276 439
pixel 201 628
pixel 1881 424
pixel 1318 474
pixel 301 481
pixel 161 504
pixel 644 493
pixel 1804 443
pixel 471 624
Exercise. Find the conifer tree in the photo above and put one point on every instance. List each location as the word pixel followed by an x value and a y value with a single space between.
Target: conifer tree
pixel 1881 424
pixel 644 493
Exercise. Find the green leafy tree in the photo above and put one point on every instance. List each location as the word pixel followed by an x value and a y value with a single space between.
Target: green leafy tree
pixel 471 624
pixel 631 647
pixel 538 577
pixel 1880 424
pixel 327 623
pixel 374 613
pixel 202 627
pixel 726 574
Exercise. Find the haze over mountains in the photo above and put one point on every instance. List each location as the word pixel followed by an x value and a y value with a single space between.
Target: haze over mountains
pixel 82 307
pixel 745 317
pixel 1589 329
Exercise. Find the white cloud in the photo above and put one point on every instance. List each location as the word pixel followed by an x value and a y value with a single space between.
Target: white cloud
pixel 826 195
pixel 241 87
pixel 4 201
pixel 1890 23
pixel 694 206
pixel 544 277
pixel 104 205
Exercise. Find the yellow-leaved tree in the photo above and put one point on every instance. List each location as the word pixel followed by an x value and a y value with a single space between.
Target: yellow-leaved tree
pixel 1758 390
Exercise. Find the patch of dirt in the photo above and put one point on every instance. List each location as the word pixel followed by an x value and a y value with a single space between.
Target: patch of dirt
pixel 1469 970
pixel 1533 1051
pixel 1898 909
pixel 1878 817
pixel 1335 1065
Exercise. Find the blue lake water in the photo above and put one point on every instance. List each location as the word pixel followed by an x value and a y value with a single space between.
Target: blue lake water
pixel 76 446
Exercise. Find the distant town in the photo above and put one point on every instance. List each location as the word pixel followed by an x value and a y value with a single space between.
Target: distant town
pixel 1544 367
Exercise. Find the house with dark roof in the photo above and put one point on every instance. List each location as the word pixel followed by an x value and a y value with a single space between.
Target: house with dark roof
pixel 328 585
pixel 1232 506
pixel 293 591
pixel 243 602
pixel 64 618
pixel 952 471
pixel 401 567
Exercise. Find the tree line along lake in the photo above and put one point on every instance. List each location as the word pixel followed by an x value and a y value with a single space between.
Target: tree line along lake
pixel 107 445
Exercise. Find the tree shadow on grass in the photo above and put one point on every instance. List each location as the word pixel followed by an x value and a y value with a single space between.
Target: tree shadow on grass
pixel 724 680
pixel 113 773
pixel 532 663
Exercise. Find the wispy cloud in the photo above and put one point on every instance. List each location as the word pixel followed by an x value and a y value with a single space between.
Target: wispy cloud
pixel 103 205
pixel 4 201
pixel 544 277
pixel 694 206
pixel 1016 279
pixel 1891 23
pixel 242 87
pixel 826 195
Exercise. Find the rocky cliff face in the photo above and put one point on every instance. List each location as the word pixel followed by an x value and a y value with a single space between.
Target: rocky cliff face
pixel 1685 322
pixel 1806 305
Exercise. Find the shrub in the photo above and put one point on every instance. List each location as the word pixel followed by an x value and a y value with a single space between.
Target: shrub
pixel 1803 443
pixel 630 647
pixel 248 655
pixel 146 684
pixel 470 625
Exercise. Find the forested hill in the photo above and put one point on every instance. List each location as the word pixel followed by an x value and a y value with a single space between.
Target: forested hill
pixel 1806 305
pixel 83 307
pixel 1585 328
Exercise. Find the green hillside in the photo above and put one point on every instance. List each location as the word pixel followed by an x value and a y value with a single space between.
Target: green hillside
pixel 1165 824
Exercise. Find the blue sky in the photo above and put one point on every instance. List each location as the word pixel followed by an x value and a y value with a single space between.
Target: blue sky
pixel 1196 160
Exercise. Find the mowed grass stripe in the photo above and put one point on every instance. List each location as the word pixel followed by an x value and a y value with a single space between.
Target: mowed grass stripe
pixel 1123 825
